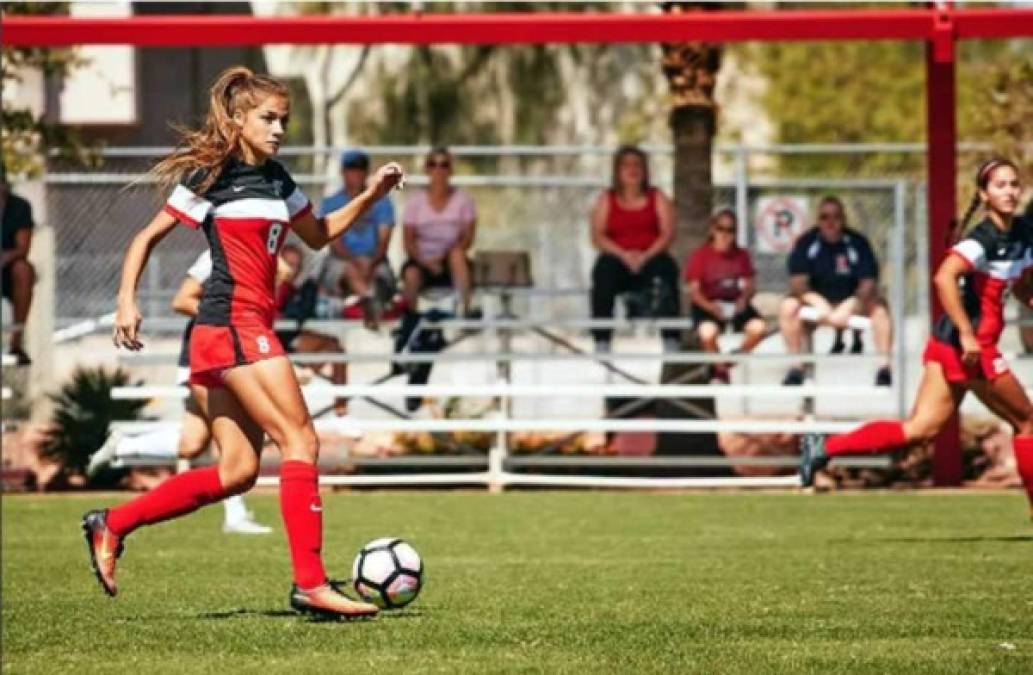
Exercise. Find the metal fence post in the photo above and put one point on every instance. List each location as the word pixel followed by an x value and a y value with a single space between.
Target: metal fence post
pixel 921 246
pixel 900 300
pixel 742 187
pixel 154 285
pixel 742 216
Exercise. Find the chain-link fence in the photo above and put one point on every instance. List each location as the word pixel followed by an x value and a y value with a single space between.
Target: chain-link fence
pixel 533 199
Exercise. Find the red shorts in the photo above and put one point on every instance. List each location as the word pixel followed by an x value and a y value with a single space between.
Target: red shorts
pixel 216 349
pixel 991 364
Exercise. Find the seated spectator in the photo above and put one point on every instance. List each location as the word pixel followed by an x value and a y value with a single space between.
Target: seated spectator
pixel 438 226
pixel 301 340
pixel 359 265
pixel 721 286
pixel 633 227
pixel 18 276
pixel 832 269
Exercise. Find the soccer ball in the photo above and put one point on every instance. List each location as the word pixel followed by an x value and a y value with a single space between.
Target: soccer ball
pixel 388 572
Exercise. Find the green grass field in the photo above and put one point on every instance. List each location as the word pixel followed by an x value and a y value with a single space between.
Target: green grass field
pixel 548 582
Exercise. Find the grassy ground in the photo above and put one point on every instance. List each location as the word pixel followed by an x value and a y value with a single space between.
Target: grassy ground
pixel 548 582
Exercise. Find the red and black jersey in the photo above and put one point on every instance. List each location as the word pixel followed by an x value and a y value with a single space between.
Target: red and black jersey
pixel 995 261
pixel 245 215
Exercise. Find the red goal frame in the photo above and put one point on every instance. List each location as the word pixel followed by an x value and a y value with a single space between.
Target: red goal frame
pixel 939 27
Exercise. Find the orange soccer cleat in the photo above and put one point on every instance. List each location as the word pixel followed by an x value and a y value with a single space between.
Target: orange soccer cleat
pixel 104 547
pixel 327 601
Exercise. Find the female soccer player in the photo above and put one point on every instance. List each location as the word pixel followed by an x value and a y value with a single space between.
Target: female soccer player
pixel 188 438
pixel 230 186
pixel 962 355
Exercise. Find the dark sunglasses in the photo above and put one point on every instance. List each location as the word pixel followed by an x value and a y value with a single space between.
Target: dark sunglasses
pixel 444 164
pixel 829 216
pixel 725 229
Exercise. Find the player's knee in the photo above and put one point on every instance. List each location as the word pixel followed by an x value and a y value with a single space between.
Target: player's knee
pixel 191 448
pixel 302 446
pixel 239 477
pixel 1024 426
pixel 921 431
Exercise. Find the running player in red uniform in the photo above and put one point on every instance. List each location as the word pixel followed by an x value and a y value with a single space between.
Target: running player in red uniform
pixel 191 436
pixel 962 355
pixel 244 201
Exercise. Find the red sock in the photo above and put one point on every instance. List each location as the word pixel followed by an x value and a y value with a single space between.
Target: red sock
pixel 1023 446
pixel 303 519
pixel 175 497
pixel 873 437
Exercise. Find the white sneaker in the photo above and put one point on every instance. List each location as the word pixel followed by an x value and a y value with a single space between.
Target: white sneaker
pixel 245 526
pixel 342 425
pixel 104 455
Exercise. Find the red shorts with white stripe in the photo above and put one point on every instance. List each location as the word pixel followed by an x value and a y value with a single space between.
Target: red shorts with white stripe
pixel 216 349
pixel 991 364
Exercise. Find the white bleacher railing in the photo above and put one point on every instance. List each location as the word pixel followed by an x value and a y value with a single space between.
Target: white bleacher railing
pixel 503 424
pixel 468 357
pixel 502 479
pixel 499 468
pixel 546 391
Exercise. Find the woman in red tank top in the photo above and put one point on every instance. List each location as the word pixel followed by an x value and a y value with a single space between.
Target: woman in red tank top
pixel 633 226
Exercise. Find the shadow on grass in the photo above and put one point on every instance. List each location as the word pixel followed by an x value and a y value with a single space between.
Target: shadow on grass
pixel 243 612
pixel 1014 539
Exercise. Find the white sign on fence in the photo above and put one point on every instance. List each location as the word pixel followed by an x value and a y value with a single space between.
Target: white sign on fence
pixel 779 221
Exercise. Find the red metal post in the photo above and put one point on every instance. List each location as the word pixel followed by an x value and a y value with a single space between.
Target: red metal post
pixel 941 200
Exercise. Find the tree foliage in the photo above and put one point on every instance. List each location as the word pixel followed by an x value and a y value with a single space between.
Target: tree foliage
pixel 874 92
pixel 26 135
pixel 997 105
pixel 507 94
pixel 842 92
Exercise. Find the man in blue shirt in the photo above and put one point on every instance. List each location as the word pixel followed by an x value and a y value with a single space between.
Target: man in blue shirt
pixel 833 270
pixel 360 253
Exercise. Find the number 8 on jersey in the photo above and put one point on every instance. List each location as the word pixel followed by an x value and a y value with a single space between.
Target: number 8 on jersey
pixel 272 244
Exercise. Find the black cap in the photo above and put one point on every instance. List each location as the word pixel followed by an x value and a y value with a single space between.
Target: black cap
pixel 355 159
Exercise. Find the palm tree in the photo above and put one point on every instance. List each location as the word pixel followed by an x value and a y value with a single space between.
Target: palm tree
pixel 691 70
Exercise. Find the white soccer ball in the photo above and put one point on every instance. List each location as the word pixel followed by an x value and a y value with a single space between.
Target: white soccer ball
pixel 388 572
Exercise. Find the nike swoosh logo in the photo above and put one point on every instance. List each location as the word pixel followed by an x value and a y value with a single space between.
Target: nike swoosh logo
pixel 316 509
pixel 238 189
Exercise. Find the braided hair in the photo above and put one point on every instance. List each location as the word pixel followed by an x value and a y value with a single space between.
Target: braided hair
pixel 986 169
